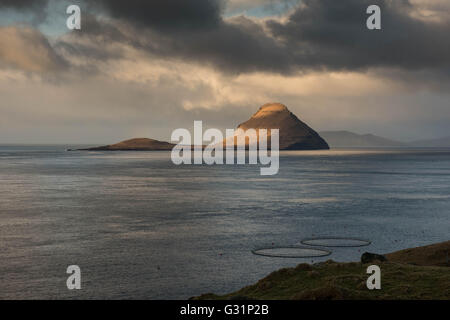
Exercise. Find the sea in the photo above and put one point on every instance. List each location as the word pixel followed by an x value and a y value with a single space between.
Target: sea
pixel 140 227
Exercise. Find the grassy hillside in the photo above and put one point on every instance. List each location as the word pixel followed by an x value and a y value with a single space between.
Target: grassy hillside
pixel 419 273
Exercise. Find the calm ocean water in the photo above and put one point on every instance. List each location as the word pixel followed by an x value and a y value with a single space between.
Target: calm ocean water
pixel 140 227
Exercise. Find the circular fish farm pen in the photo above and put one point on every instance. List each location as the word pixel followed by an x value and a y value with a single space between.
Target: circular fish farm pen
pixel 335 242
pixel 292 252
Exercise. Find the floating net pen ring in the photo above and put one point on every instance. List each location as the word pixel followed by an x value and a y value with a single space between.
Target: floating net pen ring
pixel 336 242
pixel 292 252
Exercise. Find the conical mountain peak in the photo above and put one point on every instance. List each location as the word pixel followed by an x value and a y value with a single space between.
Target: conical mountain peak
pixel 294 134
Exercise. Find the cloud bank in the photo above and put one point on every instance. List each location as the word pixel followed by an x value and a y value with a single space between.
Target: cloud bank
pixel 144 68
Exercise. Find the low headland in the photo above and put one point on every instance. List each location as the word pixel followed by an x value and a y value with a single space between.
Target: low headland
pixel 136 144
pixel 421 273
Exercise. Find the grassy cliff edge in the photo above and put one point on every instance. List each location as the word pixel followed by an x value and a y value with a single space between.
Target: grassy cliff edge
pixel 416 273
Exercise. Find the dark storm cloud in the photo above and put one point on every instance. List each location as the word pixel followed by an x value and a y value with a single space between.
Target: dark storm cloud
pixel 235 46
pixel 241 46
pixel 319 34
pixel 333 35
pixel 23 4
pixel 165 14
pixel 191 30
pixel 99 35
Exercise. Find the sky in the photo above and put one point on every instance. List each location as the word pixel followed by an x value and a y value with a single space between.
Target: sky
pixel 144 68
